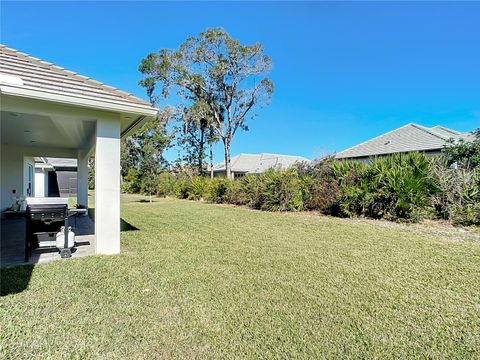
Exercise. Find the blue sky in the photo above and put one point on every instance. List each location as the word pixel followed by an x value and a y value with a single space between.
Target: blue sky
pixel 343 72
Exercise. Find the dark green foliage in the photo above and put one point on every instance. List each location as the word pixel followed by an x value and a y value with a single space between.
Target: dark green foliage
pixel 194 134
pixel 321 186
pixel 395 187
pixel 402 187
pixel 217 190
pixel 142 155
pixel 198 188
pixel 282 191
pixel 182 188
pixel 166 184
pixel 131 182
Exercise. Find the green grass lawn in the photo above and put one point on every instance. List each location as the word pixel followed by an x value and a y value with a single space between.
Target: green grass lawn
pixel 209 281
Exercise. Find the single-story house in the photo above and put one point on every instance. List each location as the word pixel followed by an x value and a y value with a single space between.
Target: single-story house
pixel 55 177
pixel 409 138
pixel 243 164
pixel 49 111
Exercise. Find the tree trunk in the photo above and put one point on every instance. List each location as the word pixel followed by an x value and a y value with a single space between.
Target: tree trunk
pixel 201 152
pixel 211 160
pixel 228 170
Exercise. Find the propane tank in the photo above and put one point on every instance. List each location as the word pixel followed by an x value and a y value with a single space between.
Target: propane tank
pixel 60 238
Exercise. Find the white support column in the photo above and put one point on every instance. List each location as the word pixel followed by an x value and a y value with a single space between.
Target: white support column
pixel 82 179
pixel 107 186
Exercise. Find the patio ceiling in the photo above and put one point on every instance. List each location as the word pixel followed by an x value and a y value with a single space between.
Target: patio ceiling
pixel 46 105
pixel 40 130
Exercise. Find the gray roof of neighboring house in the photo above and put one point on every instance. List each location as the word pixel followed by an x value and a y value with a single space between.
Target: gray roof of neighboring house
pixel 411 137
pixel 258 163
pixel 40 75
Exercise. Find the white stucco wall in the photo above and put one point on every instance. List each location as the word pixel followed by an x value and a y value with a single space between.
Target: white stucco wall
pixel 13 172
pixel 107 186
pixel 41 182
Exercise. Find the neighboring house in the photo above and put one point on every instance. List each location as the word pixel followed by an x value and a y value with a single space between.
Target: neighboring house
pixel 48 111
pixel 408 138
pixel 243 164
pixel 55 177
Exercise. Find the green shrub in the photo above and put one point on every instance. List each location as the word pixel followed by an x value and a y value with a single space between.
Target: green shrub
pixel 281 191
pixel 166 184
pixel 131 182
pixel 217 190
pixel 397 187
pixel 459 195
pixel 198 188
pixel 181 188
pixel 235 193
pixel 403 187
pixel 321 188
pixel 465 215
pixel 253 191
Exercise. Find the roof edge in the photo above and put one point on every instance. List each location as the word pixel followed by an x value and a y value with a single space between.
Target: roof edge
pixel 428 131
pixel 81 101
pixel 72 74
pixel 374 138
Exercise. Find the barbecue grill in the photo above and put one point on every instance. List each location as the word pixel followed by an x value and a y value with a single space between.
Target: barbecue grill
pixel 47 215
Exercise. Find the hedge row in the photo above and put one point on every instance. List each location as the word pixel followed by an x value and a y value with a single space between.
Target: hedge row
pixel 400 187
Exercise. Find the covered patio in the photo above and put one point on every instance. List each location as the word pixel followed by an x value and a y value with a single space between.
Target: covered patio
pixel 13 237
pixel 48 111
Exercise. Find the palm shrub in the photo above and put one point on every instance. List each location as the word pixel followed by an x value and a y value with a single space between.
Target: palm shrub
pixel 282 191
pixel 396 187
pixel 182 187
pixel 353 181
pixel 198 188
pixel 217 190
pixel 253 190
pixel 235 193
pixel 407 181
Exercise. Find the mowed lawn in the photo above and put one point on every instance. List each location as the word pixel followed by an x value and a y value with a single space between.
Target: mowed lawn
pixel 209 281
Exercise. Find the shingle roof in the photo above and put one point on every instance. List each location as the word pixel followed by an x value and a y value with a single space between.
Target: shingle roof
pixel 258 163
pixel 36 74
pixel 411 137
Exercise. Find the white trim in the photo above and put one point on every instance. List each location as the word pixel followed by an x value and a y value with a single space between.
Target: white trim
pixel 78 100
pixel 11 79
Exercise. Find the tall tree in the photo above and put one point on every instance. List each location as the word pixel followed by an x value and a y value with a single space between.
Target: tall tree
pixel 143 150
pixel 230 78
pixel 196 122
pixel 212 140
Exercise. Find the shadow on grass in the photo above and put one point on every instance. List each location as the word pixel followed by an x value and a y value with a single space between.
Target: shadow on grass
pixel 15 279
pixel 146 201
pixel 124 226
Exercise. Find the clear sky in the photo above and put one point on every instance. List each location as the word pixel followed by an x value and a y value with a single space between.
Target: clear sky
pixel 343 72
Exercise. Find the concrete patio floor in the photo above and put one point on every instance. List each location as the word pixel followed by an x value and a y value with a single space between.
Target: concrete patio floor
pixel 12 247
